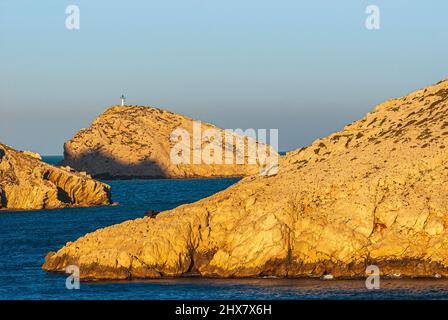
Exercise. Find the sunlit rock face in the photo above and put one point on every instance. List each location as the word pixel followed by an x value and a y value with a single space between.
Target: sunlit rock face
pixel 374 193
pixel 142 142
pixel 27 183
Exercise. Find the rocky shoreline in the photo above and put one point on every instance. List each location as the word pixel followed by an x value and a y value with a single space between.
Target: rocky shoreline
pixel 373 193
pixel 27 183
pixel 396 269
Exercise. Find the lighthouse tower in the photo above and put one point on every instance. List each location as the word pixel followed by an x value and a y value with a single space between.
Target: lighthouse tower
pixel 123 99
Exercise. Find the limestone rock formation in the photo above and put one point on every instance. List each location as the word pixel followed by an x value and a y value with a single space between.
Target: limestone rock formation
pixel 27 183
pixel 32 154
pixel 138 141
pixel 374 193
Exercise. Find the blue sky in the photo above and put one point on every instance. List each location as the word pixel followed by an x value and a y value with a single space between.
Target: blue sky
pixel 304 67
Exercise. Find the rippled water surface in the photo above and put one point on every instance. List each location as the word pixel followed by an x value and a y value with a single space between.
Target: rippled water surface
pixel 26 237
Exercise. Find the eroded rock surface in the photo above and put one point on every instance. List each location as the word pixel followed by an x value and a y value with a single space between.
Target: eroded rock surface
pixel 27 183
pixel 137 142
pixel 374 193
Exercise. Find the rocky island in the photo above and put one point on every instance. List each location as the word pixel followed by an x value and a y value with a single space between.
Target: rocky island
pixel 27 183
pixel 127 142
pixel 374 193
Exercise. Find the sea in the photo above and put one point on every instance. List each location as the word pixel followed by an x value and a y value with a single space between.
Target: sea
pixel 27 236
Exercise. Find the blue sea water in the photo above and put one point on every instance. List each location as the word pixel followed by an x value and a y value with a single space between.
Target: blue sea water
pixel 27 236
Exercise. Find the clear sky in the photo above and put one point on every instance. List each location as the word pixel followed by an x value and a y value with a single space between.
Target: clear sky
pixel 304 67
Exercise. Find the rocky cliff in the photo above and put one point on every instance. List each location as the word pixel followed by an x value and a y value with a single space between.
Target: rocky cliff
pixel 138 141
pixel 27 183
pixel 374 193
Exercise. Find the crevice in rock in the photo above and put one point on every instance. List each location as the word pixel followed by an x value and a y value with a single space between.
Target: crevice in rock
pixel 63 196
pixel 3 199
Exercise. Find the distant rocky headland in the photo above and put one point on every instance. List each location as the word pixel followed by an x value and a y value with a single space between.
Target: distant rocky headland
pixel 27 183
pixel 374 193
pixel 138 142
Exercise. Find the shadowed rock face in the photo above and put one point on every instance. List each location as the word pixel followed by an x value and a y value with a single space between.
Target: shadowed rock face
pixel 27 183
pixel 373 193
pixel 135 142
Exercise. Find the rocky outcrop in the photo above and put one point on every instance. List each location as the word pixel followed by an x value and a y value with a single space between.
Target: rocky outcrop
pixel 32 154
pixel 138 142
pixel 374 193
pixel 26 183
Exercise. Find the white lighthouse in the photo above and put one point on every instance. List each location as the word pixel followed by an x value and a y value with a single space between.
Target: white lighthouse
pixel 123 99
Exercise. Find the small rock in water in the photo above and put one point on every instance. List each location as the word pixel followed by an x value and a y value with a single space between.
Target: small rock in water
pixel 438 276
pixel 328 277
